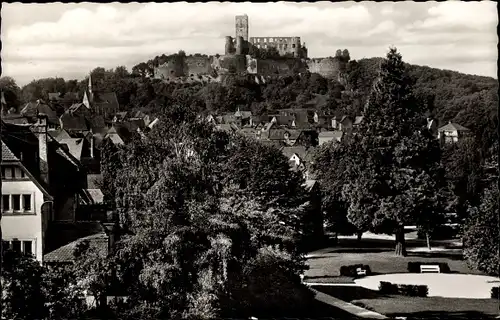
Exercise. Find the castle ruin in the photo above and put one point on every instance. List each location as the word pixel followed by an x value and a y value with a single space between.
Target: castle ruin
pixel 237 58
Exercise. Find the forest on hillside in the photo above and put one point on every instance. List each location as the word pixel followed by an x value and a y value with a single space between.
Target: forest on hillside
pixel 469 100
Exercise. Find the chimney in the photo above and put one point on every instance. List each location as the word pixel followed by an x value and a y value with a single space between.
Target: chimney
pixel 40 130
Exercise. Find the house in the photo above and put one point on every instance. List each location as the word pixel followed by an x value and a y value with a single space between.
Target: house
pixel 26 205
pixel 32 109
pixel 41 183
pixel 74 121
pixel 307 138
pixel 452 132
pixel 299 158
pixel 101 103
pixel 343 123
pixel 326 136
pixel 120 116
pixel 141 115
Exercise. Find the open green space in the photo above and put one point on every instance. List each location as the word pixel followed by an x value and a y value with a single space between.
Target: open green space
pixel 324 265
pixel 415 307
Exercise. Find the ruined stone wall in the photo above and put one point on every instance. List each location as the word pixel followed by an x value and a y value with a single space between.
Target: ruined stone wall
pixel 169 70
pixel 284 45
pixel 229 63
pixel 279 66
pixel 198 66
pixel 327 67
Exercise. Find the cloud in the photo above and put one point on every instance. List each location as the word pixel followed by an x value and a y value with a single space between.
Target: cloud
pixel 72 39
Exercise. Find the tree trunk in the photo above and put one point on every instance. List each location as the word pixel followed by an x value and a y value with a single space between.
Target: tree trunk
pixel 359 234
pixel 400 242
pixel 428 238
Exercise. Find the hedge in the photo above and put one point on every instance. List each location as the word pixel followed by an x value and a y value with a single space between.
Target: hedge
pixel 495 293
pixel 414 267
pixel 350 271
pixel 403 289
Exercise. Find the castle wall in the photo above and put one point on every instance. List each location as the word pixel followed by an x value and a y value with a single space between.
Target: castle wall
pixel 279 66
pixel 229 63
pixel 327 67
pixel 197 66
pixel 284 45
pixel 169 70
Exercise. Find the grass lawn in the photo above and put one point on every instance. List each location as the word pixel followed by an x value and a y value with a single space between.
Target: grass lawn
pixel 379 255
pixel 414 307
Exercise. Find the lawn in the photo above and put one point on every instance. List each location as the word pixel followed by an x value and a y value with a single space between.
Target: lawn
pixel 413 307
pixel 324 265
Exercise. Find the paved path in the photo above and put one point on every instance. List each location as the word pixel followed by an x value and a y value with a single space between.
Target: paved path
pixel 346 306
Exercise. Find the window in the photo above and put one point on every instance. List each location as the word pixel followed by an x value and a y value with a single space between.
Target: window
pixel 16 202
pixel 16 246
pixel 27 248
pixel 293 45
pixel 7 173
pixel 18 173
pixel 27 202
pixel 6 202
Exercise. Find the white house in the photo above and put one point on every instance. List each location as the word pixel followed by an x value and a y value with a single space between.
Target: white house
pixel 24 199
pixel 452 132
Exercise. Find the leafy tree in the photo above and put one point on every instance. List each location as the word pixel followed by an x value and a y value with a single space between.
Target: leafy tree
pixel 482 234
pixel 65 298
pixel 11 91
pixel 33 291
pixel 22 296
pixel 395 171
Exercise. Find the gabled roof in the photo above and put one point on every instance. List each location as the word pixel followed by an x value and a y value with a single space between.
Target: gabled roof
pixel 7 154
pixel 74 122
pixel 300 151
pixel 121 115
pixel 453 127
pixel 75 146
pixel 15 119
pixel 309 185
pixel 76 106
pixel 105 100
pixel 59 134
pixel 358 120
pixel 97 123
pixel 32 109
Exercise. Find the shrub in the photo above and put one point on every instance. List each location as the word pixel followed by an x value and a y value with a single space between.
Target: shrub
pixel 414 267
pixel 351 270
pixel 387 288
pixel 403 289
pixel 495 293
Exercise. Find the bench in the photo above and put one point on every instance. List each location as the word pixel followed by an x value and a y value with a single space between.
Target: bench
pixel 430 268
pixel 361 272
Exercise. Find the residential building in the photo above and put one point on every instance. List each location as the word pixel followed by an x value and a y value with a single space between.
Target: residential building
pixel 42 183
pixel 327 136
pixel 452 133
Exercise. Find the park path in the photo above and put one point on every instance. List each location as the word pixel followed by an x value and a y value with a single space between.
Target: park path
pixel 346 306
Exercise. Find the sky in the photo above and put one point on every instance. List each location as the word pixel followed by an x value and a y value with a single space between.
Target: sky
pixel 69 40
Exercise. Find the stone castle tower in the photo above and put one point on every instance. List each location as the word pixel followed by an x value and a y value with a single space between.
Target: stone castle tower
pixel 242 27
